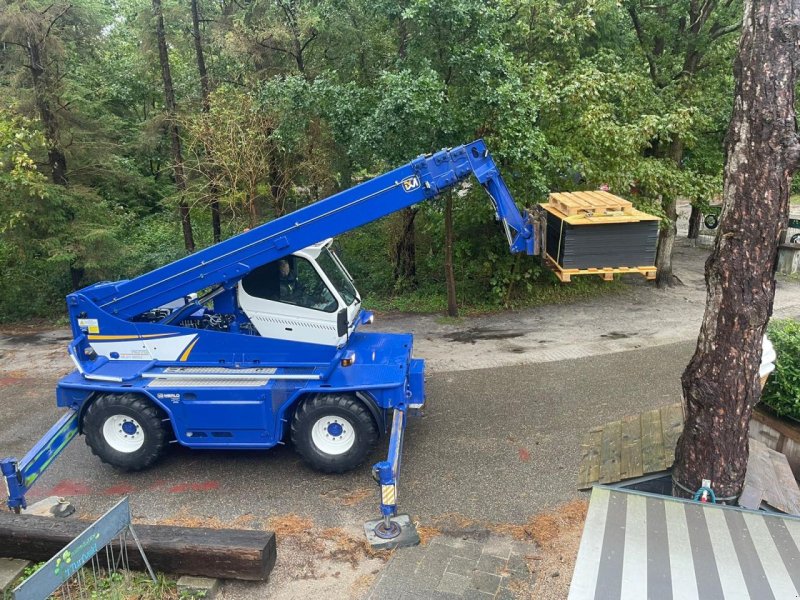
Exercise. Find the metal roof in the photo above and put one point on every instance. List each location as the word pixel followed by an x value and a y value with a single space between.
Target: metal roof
pixel 638 546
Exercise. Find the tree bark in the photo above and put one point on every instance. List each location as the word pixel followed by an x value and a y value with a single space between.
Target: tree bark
pixel 720 384
pixel 695 218
pixel 666 241
pixel 450 278
pixel 205 92
pixel 405 250
pixel 172 126
pixel 666 235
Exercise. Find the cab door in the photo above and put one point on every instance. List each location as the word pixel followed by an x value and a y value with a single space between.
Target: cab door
pixel 289 299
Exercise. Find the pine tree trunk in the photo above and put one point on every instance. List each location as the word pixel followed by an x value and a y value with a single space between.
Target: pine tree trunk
pixel 172 126
pixel 720 384
pixel 450 278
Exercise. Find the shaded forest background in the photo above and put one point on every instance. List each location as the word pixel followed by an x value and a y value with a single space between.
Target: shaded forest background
pixel 125 143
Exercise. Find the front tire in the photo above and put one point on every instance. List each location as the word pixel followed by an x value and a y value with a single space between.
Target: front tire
pixel 125 431
pixel 333 433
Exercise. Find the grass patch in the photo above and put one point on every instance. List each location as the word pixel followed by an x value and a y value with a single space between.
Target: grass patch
pixel 427 301
pixel 119 585
pixel 794 199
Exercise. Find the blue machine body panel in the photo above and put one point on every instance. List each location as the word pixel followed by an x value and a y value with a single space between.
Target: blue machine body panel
pixel 221 415
pixel 234 388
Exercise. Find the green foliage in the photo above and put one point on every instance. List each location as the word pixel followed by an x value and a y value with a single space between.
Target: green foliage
pixel 104 585
pixel 782 392
pixel 309 98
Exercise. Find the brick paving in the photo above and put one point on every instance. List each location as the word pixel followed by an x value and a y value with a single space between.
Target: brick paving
pixel 451 567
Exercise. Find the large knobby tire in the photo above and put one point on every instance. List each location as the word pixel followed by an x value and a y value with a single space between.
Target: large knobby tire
pixel 334 433
pixel 125 430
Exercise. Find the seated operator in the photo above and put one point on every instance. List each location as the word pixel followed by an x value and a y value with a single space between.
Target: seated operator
pixel 287 280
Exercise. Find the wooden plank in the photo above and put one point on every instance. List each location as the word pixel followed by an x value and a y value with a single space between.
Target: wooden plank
pixel 606 273
pixel 652 442
pixel 631 453
pixel 573 203
pixel 759 475
pixel 224 553
pixel 786 428
pixel 769 479
pixel 785 482
pixel 671 428
pixel 589 472
pixel 610 451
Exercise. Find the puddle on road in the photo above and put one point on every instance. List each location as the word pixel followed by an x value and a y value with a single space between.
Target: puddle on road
pixel 471 336
pixel 27 339
pixel 617 335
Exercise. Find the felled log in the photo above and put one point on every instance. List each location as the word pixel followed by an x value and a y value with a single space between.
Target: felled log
pixel 222 553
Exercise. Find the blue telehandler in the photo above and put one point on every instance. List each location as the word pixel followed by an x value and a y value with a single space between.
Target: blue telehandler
pixel 257 339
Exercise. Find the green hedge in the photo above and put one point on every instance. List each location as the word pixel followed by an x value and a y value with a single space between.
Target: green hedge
pixel 782 391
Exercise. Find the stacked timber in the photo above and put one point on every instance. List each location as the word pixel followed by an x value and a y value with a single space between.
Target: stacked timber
pixel 598 233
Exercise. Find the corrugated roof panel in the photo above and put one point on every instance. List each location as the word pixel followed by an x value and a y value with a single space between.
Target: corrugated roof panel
pixel 638 546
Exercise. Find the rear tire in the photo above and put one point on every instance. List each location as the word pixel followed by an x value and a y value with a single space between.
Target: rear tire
pixel 333 433
pixel 125 431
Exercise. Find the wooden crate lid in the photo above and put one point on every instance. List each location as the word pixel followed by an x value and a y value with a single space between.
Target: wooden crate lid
pixel 575 203
pixel 630 216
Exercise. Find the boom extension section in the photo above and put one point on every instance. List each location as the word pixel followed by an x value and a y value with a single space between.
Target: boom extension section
pixel 421 179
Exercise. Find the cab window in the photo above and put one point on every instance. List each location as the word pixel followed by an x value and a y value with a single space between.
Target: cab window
pixel 291 280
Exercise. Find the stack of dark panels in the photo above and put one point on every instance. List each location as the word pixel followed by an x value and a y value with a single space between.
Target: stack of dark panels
pixel 602 245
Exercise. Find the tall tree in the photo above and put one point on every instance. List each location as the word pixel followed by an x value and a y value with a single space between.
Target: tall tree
pixel 449 274
pixel 677 38
pixel 205 91
pixel 172 127
pixel 34 30
pixel 720 384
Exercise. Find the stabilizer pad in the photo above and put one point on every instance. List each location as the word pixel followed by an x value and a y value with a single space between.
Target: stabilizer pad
pixel 408 535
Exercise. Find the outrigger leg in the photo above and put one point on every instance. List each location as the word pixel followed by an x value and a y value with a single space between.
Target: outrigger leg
pixel 21 475
pixel 392 530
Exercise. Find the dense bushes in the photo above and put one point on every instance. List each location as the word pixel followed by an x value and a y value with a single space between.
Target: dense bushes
pixel 782 391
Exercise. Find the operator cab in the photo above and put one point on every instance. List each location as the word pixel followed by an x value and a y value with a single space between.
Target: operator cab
pixel 307 297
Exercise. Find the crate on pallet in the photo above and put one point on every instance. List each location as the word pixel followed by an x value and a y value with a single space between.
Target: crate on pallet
pixel 598 233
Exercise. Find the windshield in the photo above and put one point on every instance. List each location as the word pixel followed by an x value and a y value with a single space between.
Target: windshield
pixel 338 277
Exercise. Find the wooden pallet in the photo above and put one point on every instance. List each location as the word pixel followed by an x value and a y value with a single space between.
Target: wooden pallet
pixel 607 273
pixel 769 479
pixel 645 443
pixel 589 203
pixel 632 447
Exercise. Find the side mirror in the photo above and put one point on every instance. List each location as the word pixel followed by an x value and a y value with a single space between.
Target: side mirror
pixel 341 322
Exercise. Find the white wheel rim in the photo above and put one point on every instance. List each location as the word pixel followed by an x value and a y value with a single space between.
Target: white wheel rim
pixel 123 433
pixel 333 435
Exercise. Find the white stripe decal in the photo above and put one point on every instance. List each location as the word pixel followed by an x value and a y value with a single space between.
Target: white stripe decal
pixel 777 575
pixel 634 560
pixel 587 566
pixel 730 571
pixel 684 583
pixel 793 527
pixel 166 348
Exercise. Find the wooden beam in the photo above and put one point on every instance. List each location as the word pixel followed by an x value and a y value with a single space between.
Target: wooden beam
pixel 223 553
